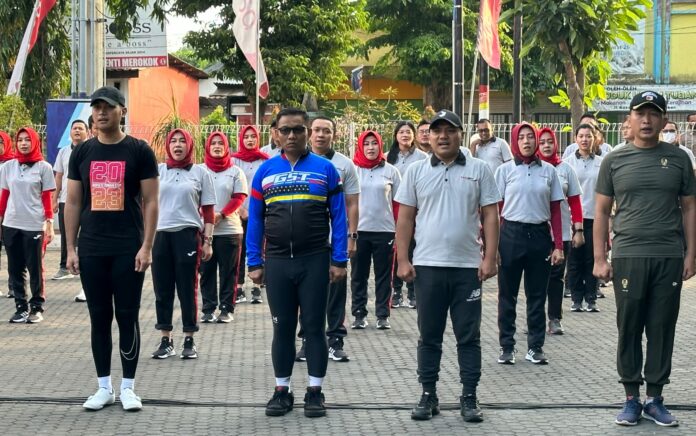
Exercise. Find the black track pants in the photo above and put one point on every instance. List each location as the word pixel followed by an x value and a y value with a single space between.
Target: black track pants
pixel 582 284
pixel 555 288
pixel 225 261
pixel 377 246
pixel 25 250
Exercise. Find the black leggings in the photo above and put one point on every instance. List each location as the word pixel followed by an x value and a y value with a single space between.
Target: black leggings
pixel 581 282
pixel 377 246
pixel 111 282
pixel 292 284
pixel 241 272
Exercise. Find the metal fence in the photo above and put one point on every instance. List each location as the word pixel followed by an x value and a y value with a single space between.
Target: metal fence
pixel 347 133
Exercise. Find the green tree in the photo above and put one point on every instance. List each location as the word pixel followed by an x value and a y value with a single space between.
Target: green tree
pixel 575 39
pixel 13 114
pixel 47 71
pixel 189 55
pixel 303 43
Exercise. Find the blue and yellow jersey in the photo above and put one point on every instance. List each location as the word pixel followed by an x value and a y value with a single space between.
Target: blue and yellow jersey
pixel 295 208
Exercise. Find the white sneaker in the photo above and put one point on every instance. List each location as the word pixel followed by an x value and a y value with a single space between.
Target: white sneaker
pixel 129 400
pixel 81 297
pixel 100 399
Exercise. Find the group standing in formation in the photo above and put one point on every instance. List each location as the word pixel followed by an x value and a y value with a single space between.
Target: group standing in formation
pixel 430 213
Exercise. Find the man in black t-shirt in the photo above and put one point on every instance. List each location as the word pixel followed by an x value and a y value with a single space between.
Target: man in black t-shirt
pixel 109 178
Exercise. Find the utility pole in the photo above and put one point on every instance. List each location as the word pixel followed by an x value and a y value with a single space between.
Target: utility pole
pixel 89 64
pixel 457 60
pixel 517 67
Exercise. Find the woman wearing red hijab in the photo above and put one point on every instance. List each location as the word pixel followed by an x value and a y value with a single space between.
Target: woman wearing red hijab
pixel 532 196
pixel 379 182
pixel 27 222
pixel 249 158
pixel 231 191
pixel 185 189
pixel 571 217
pixel 6 154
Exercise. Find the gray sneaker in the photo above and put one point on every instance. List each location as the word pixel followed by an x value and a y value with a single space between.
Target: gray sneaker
pixel 189 351
pixel 207 318
pixel 576 307
pixel 62 274
pixel 592 307
pixel 34 317
pixel 555 327
pixel 359 323
pixel 225 317
pixel 507 357
pixel 383 324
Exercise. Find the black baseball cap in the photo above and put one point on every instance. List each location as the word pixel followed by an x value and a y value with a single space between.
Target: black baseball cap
pixel 110 95
pixel 649 98
pixel 448 116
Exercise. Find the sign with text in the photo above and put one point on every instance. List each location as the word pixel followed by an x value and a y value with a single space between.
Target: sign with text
pixel 679 97
pixel 146 47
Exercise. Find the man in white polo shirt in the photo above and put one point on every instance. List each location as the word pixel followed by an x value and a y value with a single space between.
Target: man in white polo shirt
pixel 447 197
pixel 272 149
pixel 491 149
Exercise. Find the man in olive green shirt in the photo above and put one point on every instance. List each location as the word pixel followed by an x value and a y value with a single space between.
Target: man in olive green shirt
pixel 653 185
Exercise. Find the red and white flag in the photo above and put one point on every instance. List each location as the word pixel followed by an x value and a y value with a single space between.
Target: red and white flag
pixel 488 42
pixel 31 35
pixel 245 29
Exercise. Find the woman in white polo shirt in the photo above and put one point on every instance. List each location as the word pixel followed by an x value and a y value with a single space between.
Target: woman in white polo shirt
pixel 231 191
pixel 176 253
pixel 379 182
pixel 6 155
pixel 532 198
pixel 402 154
pixel 249 158
pixel 27 222
pixel 586 162
pixel 571 218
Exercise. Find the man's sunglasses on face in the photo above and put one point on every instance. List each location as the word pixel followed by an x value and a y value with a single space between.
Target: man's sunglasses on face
pixel 297 130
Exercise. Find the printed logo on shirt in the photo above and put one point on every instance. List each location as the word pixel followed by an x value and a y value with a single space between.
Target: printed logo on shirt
pixel 38 237
pixel 475 295
pixel 191 253
pixel 106 181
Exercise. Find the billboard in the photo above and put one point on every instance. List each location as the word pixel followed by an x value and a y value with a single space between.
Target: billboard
pixel 146 47
pixel 679 97
pixel 60 114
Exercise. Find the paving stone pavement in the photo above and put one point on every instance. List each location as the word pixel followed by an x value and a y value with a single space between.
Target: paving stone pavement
pixel 47 372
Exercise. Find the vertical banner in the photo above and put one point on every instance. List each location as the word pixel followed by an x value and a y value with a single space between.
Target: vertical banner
pixel 244 28
pixel 484 107
pixel 488 42
pixel 59 116
pixel 356 79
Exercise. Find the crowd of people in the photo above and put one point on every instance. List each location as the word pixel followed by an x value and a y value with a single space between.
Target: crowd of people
pixel 429 212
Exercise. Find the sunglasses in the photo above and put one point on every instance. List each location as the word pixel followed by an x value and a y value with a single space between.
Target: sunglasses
pixel 297 130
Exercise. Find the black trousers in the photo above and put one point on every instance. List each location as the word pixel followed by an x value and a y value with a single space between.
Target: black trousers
pixel 335 312
pixel 380 247
pixel 555 288
pixel 175 261
pixel 457 290
pixel 63 240
pixel 647 292
pixel 293 285
pixel 581 282
pixel 112 285
pixel 397 283
pixel 25 250
pixel 242 255
pixel 225 261
pixel 523 248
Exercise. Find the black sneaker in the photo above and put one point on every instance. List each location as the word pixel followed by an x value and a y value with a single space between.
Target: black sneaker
pixel 314 403
pixel 207 318
pixel 241 296
pixel 427 407
pixel 225 317
pixel 566 293
pixel 536 356
pixel 396 302
pixel 592 307
pixel 301 355
pixel 281 402
pixel 165 349
pixel 189 351
pixel 600 294
pixel 470 411
pixel 411 303
pixel 20 316
pixel 336 352
pixel 256 296
pixel 383 324
pixel 359 323
pixel 507 357
pixel 576 307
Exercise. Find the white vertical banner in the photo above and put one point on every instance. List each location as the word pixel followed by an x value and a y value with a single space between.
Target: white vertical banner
pixel 245 32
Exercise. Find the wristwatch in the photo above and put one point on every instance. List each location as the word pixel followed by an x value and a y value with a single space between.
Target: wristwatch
pixel 353 236
pixel 208 240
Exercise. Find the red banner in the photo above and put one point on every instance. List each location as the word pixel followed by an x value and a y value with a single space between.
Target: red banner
pixel 44 7
pixel 488 42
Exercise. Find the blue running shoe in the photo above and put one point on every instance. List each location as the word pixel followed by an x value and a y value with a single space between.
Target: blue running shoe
pixel 630 413
pixel 658 413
